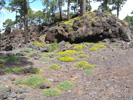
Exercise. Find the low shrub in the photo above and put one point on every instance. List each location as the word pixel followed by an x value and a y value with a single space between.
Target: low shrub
pixel 66 85
pixel 67 53
pixel 88 71
pixel 54 66
pixel 1 65
pixel 34 82
pixel 40 44
pixel 35 71
pixel 66 59
pixel 10 59
pixel 44 59
pixel 51 92
pixel 16 69
pixel 82 56
pixel 93 49
pixel 89 66
pixel 81 64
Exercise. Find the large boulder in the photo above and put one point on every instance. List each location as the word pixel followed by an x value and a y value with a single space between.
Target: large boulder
pixel 93 26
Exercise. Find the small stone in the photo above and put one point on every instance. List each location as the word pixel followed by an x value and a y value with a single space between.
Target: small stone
pixel 44 49
pixel 108 84
pixel 12 94
pixel 44 86
pixel 21 96
pixel 50 79
pixel 111 88
pixel 93 93
pixel 69 90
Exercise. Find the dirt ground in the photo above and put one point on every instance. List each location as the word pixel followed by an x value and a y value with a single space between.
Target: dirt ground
pixel 112 79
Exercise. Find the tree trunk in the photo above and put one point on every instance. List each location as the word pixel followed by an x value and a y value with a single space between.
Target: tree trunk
pixel 76 6
pixel 68 11
pixel 89 5
pixel 117 11
pixel 60 9
pixel 105 5
pixel 83 7
pixel 26 21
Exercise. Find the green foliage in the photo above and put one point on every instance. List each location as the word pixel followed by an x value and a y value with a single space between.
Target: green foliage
pixel 46 54
pixel 26 49
pixel 51 92
pixel 44 59
pixel 8 23
pixel 34 82
pixel 93 49
pixel 35 71
pixel 66 59
pixel 89 13
pixel 81 64
pixel 129 19
pixel 22 88
pixel 3 87
pixel 97 46
pixel 40 44
pixel 82 56
pixel 53 46
pixel 92 20
pixel 66 85
pixel 16 69
pixel 54 66
pixel 88 71
pixel 79 47
pixel 81 52
pixel 31 53
pixel 89 66
pixel 1 65
pixel 20 81
pixel 10 59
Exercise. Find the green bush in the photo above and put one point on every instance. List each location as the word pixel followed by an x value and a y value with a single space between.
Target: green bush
pixel 54 66
pixel 89 66
pixel 20 81
pixel 34 82
pixel 44 59
pixel 88 71
pixel 16 69
pixel 40 44
pixel 35 71
pixel 66 85
pixel 10 59
pixel 1 65
pixel 82 56
pixel 51 92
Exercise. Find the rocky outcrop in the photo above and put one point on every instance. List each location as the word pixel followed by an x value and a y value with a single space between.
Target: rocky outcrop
pixel 91 27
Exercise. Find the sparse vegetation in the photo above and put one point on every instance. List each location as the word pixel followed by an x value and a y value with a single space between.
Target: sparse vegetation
pixel 54 66
pixel 10 59
pixel 44 59
pixel 67 53
pixel 88 71
pixel 51 92
pixel 35 71
pixel 40 44
pixel 16 69
pixel 81 64
pixel 1 65
pixel 82 56
pixel 66 85
pixel 34 82
pixel 31 53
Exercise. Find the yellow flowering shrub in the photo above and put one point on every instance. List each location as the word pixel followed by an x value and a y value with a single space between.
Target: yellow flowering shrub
pixel 66 59
pixel 81 64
